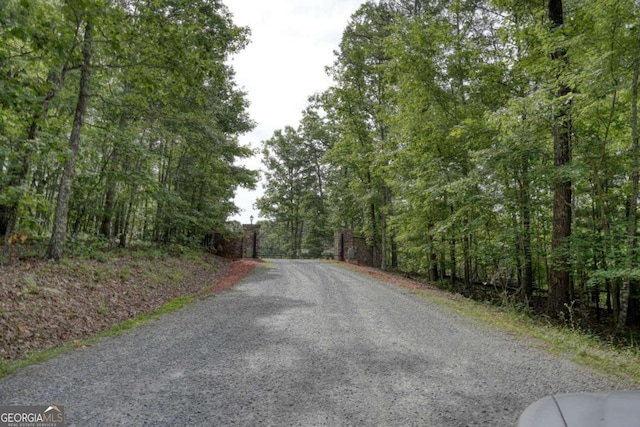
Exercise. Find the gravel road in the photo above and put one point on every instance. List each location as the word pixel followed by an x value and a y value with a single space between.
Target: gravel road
pixel 302 343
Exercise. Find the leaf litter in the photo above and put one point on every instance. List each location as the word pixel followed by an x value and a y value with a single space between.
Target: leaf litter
pixel 45 305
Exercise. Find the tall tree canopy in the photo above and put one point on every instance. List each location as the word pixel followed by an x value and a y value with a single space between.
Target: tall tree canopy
pixel 493 141
pixel 296 177
pixel 119 118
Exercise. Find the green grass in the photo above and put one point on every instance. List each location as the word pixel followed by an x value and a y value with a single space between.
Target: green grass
pixel 571 343
pixel 173 305
pixel 267 264
pixel 9 366
pixel 30 285
pixel 125 274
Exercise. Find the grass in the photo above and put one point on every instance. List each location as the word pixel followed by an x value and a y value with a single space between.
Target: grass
pixel 102 274
pixel 9 366
pixel 30 285
pixel 173 305
pixel 580 346
pixel 125 274
pixel 267 264
pixel 571 343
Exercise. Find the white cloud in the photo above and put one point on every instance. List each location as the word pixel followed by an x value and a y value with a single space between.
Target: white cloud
pixel 291 43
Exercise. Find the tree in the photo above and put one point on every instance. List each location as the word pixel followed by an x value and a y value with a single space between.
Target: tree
pixel 55 249
pixel 289 180
pixel 360 102
pixel 317 138
pixel 441 114
pixel 560 277
pixel 163 113
pixel 35 54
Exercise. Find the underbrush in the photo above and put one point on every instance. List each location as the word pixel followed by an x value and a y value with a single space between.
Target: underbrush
pixel 98 249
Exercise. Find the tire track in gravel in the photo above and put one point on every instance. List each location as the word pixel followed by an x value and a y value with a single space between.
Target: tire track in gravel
pixel 302 343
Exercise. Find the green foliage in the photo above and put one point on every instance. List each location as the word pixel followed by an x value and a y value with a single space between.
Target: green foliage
pixel 158 158
pixel 125 274
pixel 295 195
pixel 442 119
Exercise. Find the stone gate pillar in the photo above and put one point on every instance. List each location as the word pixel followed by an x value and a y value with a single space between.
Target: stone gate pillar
pixel 251 241
pixel 342 241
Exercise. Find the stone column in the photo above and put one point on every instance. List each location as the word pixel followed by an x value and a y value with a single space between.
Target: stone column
pixel 251 241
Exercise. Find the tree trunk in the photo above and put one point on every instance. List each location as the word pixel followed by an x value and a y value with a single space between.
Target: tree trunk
pixel 374 245
pixel 625 291
pixel 386 242
pixel 55 249
pixel 433 268
pixel 124 232
pixel 433 257
pixel 392 237
pixel 9 213
pixel 452 253
pixel 394 249
pixel 109 204
pixel 466 250
pixel 560 275
pixel 560 285
pixel 383 239
pixel 110 198
pixel 525 200
pixel 519 251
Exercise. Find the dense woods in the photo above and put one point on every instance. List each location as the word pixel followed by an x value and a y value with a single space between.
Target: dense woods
pixel 479 141
pixel 119 119
pixel 470 141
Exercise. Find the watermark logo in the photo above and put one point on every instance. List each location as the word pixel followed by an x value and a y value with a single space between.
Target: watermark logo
pixel 32 416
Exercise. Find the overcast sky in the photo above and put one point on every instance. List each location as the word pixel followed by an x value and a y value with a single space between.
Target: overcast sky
pixel 291 43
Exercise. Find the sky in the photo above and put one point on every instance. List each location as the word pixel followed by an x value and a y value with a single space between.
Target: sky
pixel 292 41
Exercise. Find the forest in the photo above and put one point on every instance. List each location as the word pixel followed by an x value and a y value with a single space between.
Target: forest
pixel 477 142
pixel 119 122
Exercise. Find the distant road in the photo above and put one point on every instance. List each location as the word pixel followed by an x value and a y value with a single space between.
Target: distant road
pixel 302 343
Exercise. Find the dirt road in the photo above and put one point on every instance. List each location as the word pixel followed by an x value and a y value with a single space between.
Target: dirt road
pixel 302 343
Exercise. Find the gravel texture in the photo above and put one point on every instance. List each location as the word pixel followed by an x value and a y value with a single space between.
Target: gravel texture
pixel 302 343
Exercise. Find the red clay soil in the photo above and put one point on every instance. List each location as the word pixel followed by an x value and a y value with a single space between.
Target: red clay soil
pixel 396 279
pixel 238 270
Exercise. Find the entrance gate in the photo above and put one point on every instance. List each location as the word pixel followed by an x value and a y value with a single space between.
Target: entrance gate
pixel 354 249
pixel 273 249
pixel 251 241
